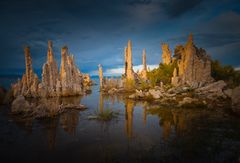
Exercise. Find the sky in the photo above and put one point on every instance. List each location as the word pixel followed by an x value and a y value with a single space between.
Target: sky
pixel 96 31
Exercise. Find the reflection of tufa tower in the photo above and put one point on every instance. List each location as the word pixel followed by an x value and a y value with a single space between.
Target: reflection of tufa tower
pixel 101 102
pixel 129 105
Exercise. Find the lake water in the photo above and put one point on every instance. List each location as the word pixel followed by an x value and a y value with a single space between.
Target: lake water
pixel 140 133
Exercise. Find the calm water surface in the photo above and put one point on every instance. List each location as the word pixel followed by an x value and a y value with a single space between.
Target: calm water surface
pixel 140 133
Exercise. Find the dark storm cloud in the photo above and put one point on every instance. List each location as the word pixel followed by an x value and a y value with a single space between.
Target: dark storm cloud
pixel 136 2
pixel 97 31
pixel 176 8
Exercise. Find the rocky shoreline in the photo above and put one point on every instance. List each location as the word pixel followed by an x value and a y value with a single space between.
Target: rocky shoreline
pixel 215 95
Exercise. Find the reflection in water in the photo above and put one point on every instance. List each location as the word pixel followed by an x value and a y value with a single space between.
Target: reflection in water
pixel 144 114
pixel 101 102
pixel 129 106
pixel 69 121
pixel 50 126
pixel 163 134
pixel 176 121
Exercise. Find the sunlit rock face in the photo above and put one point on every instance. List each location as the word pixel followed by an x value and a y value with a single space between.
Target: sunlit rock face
pixel 166 54
pixel 28 86
pixel 69 82
pixel 70 77
pixel 143 72
pixel 50 73
pixel 100 73
pixel 194 66
pixel 128 62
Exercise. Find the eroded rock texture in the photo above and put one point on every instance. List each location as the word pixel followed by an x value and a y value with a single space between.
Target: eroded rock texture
pixel 69 82
pixel 70 77
pixel 128 62
pixel 143 73
pixel 100 72
pixel 166 54
pixel 194 66
pixel 50 73
pixel 28 86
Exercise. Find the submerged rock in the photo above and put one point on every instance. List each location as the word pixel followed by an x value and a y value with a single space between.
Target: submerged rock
pixel 20 105
pixel 43 107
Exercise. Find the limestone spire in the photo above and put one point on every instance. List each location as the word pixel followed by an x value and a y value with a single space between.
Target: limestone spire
pixel 125 60
pixel 166 54
pixel 190 40
pixel 100 71
pixel 130 73
pixel 50 52
pixel 175 72
pixel 144 59
pixel 129 54
pixel 64 53
pixel 28 64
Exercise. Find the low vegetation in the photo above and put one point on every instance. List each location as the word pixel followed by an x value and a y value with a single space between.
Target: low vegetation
pixel 130 85
pixel 226 73
pixel 161 74
pixel 105 115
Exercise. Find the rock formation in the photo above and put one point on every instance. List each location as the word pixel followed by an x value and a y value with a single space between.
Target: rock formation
pixel 28 86
pixel 194 66
pixel 128 62
pixel 143 73
pixel 70 77
pixel 236 99
pixel 50 73
pixel 166 54
pixel 69 82
pixel 100 71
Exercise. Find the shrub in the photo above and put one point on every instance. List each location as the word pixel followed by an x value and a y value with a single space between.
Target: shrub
pixel 130 84
pixel 161 74
pixel 106 115
pixel 226 73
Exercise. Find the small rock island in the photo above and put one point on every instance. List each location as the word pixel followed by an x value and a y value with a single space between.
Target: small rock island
pixel 186 80
pixel 44 96
pixel 69 82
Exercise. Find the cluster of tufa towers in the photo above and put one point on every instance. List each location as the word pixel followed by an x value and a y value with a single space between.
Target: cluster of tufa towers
pixel 68 82
pixel 192 65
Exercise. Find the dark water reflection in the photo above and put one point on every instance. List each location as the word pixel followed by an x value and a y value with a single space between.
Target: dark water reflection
pixel 141 133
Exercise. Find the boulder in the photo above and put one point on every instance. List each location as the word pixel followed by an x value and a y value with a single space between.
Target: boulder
pixel 228 92
pixel 187 100
pixel 213 87
pixel 132 96
pixel 155 93
pixel 112 91
pixel 20 105
pixel 236 99
pixel 213 90
pixel 139 93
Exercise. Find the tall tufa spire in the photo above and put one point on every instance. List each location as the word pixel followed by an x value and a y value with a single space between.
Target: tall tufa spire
pixel 190 40
pixel 144 59
pixel 50 51
pixel 28 64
